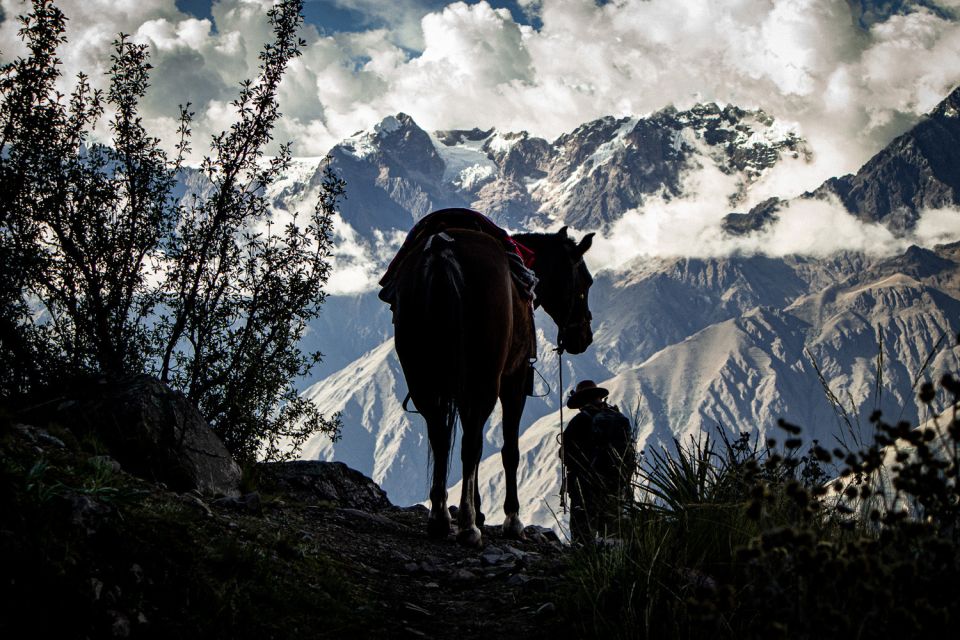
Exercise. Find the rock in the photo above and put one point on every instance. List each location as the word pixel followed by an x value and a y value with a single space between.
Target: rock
pixel 250 503
pixel 518 580
pixel 463 575
pixel 317 482
pixel 151 430
pixel 432 568
pixel 516 553
pixel 536 532
pixel 96 588
pixel 546 609
pixel 418 509
pixel 39 436
pixel 86 513
pixel 356 516
pixel 121 625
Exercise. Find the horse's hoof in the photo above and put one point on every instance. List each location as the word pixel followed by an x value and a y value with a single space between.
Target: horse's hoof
pixel 513 528
pixel 469 537
pixel 438 528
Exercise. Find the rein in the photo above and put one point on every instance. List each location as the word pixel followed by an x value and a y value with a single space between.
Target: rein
pixel 563 464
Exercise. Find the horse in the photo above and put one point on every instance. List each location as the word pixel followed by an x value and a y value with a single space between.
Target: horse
pixel 464 334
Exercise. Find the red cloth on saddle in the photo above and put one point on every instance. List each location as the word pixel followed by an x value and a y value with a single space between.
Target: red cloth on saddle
pixel 457 219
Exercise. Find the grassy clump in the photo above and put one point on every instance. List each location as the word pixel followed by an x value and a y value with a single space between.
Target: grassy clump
pixel 738 540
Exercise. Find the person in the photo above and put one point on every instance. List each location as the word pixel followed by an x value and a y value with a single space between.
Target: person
pixel 599 459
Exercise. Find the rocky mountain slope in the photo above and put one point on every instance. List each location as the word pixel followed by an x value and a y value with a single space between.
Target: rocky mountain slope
pixel 919 170
pixel 685 344
pixel 588 178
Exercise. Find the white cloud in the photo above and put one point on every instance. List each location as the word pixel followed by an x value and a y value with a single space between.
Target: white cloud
pixel 356 266
pixel 691 227
pixel 850 91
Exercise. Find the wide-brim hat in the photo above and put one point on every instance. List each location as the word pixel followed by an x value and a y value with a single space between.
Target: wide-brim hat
pixel 586 392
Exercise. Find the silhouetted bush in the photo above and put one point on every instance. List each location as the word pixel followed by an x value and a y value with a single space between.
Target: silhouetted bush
pixel 749 541
pixel 106 271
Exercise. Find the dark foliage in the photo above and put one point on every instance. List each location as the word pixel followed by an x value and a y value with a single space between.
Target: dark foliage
pixel 744 541
pixel 105 271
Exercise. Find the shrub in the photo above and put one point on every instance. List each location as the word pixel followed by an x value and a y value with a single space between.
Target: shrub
pixel 106 271
pixel 750 541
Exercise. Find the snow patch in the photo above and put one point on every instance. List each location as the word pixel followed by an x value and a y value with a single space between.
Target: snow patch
pixel 466 165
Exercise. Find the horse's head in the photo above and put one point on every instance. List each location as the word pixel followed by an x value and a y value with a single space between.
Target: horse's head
pixel 564 283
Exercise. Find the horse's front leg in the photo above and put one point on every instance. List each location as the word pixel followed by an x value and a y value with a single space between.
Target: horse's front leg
pixel 512 398
pixel 477 506
pixel 438 523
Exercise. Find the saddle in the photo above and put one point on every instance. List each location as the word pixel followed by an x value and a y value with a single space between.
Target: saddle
pixel 521 258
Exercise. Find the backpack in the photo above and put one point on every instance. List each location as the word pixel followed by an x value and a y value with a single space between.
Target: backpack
pixel 612 455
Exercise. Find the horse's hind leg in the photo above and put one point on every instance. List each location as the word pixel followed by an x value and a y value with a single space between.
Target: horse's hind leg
pixel 438 523
pixel 512 398
pixel 471 448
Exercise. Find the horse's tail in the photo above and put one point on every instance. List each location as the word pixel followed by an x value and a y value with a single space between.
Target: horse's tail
pixel 444 307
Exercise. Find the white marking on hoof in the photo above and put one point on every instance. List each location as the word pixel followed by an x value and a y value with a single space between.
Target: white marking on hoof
pixel 470 537
pixel 513 527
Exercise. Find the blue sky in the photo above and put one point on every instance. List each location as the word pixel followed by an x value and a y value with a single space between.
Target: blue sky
pixel 331 16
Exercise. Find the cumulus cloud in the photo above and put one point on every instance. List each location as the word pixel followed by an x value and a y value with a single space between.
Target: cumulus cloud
pixel 356 265
pixel 849 84
pixel 690 227
pixel 851 89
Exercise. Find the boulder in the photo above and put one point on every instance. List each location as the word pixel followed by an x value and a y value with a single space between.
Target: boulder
pixel 151 430
pixel 334 483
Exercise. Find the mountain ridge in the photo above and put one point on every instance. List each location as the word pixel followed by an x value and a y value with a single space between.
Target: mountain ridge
pixel 753 333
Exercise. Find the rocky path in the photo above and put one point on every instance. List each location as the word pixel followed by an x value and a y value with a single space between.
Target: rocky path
pixel 418 587
pixel 437 589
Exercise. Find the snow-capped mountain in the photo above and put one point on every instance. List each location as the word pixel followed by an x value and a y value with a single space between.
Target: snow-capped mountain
pixel 587 178
pixel 684 344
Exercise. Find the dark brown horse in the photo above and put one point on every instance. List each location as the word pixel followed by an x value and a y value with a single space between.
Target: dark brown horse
pixel 465 337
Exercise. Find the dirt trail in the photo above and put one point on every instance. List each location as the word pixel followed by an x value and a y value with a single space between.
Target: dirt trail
pixel 438 589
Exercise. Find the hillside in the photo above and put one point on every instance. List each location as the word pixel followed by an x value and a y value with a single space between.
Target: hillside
pixel 90 551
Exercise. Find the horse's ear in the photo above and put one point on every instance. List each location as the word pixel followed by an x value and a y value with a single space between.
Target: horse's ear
pixel 585 243
pixel 562 233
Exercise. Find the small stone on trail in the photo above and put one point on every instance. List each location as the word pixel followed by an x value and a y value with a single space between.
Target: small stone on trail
pixel 537 532
pixel 518 580
pixel 250 503
pixel 463 575
pixel 516 553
